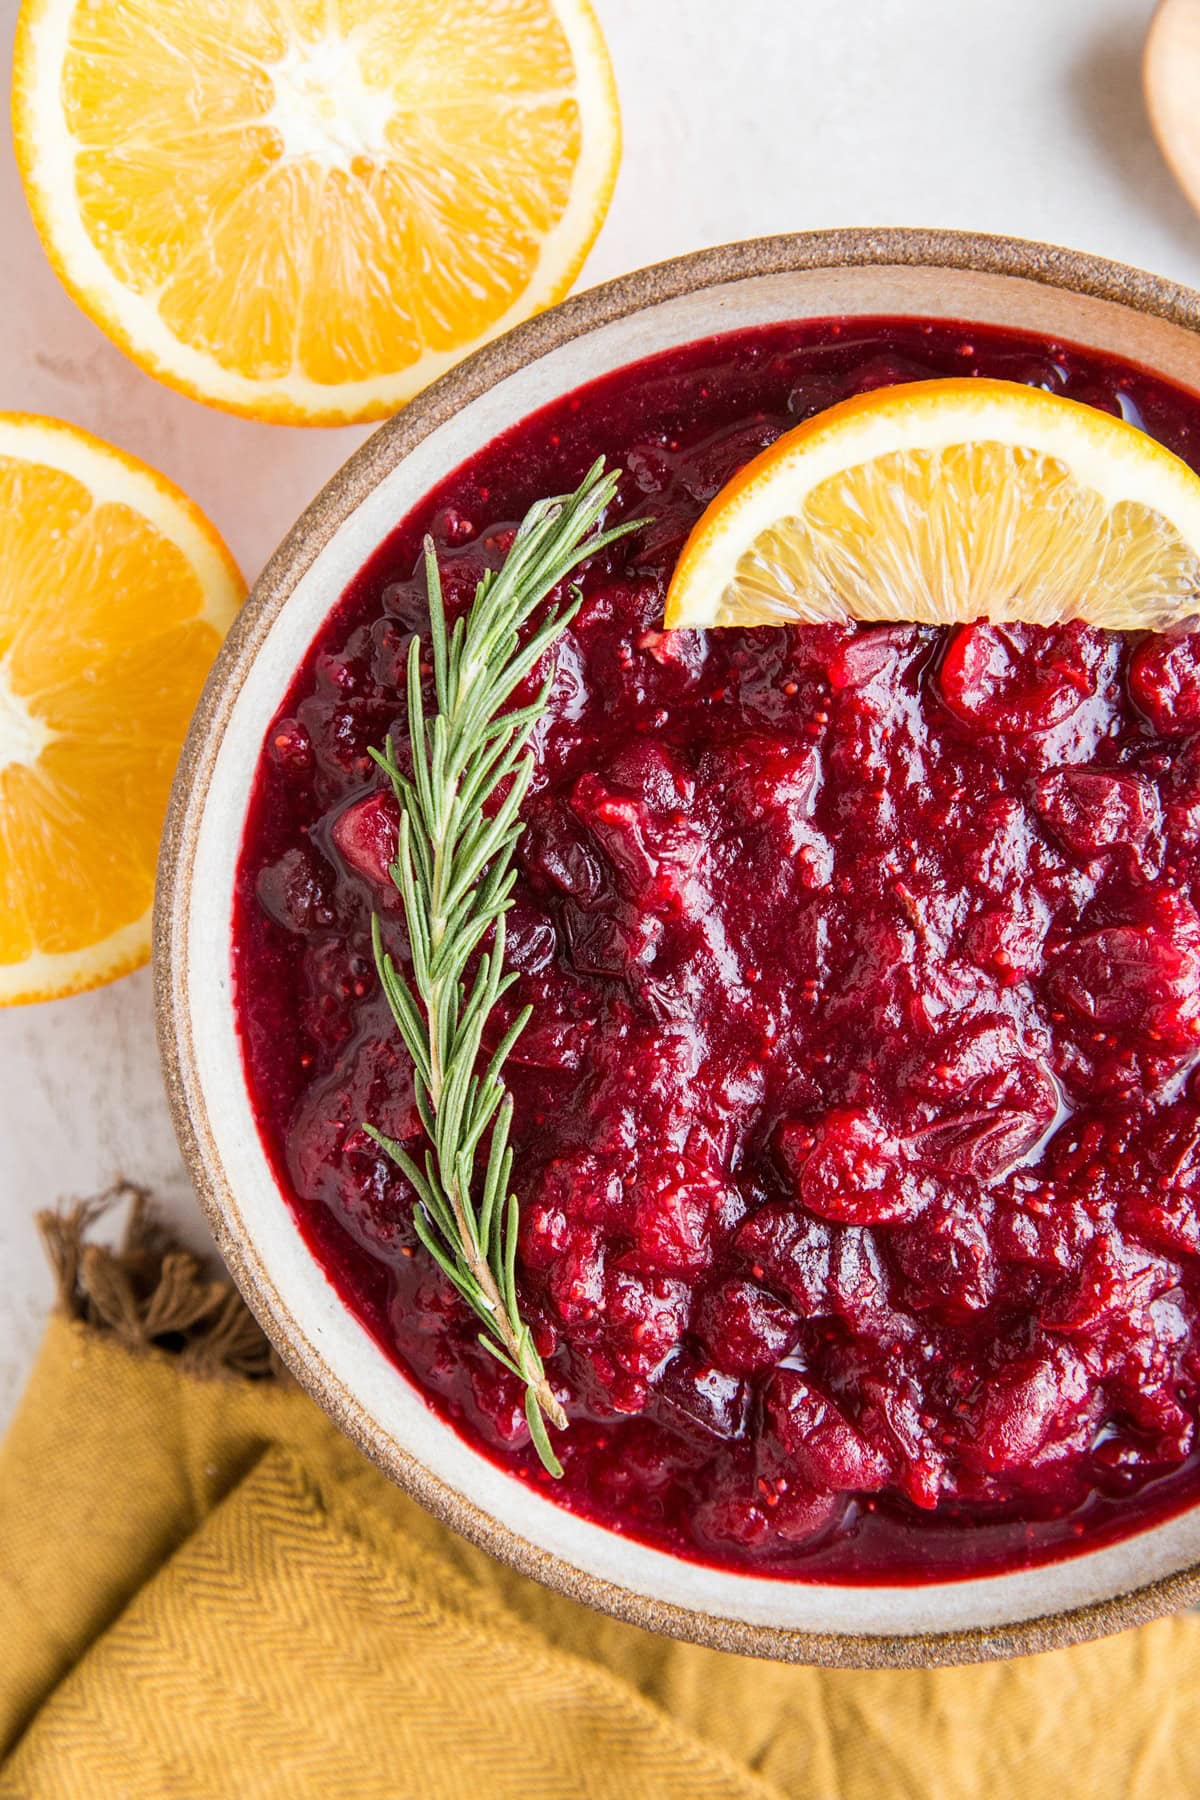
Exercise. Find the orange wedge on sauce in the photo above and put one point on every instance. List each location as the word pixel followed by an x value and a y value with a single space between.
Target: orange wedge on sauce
pixel 944 501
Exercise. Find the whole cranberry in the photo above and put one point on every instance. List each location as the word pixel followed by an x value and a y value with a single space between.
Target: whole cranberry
pixel 802 1514
pixel 875 653
pixel 818 1439
pixel 947 1263
pixel 743 1328
pixel 295 891
pixel 1027 1405
pixel 575 1278
pixel 854 1170
pixel 1164 681
pixel 986 1138
pixel 1091 811
pixel 364 835
pixel 1143 980
pixel 731 1518
pixel 644 1319
pixel 1018 678
pixel 696 1393
pixel 790 1251
pixel 290 747
pixel 1118 1280
pixel 674 1206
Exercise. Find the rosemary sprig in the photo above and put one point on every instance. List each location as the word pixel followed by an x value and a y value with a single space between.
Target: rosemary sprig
pixel 454 871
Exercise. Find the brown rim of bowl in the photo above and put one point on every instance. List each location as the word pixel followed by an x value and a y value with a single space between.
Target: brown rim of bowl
pixel 1042 263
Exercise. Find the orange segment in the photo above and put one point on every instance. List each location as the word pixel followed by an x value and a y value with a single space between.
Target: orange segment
pixel 115 593
pixel 305 209
pixel 942 501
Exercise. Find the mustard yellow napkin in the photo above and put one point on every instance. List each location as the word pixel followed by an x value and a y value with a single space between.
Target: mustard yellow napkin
pixel 205 1592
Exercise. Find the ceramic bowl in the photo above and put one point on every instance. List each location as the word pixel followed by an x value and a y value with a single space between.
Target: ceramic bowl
pixel 938 274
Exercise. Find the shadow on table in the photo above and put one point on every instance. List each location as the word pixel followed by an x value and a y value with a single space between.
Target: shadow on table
pixel 1105 91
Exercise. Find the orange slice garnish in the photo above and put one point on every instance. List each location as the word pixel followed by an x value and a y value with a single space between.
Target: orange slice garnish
pixel 944 501
pixel 115 593
pixel 302 210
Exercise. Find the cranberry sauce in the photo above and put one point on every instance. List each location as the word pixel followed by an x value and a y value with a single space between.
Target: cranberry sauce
pixel 857 1135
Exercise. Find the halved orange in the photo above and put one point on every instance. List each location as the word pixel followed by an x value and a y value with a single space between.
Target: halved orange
pixel 115 593
pixel 942 501
pixel 304 210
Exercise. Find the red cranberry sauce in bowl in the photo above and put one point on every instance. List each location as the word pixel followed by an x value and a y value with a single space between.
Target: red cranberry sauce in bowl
pixel 857 1127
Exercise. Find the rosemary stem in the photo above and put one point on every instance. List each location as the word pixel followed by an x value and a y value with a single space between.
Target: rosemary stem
pixel 468 1233
pixel 453 872
pixel 473 1253
pixel 535 1379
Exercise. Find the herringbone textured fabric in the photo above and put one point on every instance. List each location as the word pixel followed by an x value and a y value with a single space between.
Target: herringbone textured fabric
pixel 285 1651
pixel 205 1594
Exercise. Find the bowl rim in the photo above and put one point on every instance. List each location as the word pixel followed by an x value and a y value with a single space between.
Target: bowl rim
pixel 1044 264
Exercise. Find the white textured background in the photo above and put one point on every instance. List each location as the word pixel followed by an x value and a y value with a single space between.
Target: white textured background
pixel 741 117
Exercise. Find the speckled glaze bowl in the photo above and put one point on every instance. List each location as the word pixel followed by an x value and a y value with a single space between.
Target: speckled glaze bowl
pixel 940 274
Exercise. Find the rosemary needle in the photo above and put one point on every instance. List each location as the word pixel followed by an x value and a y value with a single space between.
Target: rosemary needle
pixel 454 871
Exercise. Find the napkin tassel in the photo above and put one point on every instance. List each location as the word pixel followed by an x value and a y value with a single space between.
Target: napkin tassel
pixel 150 1292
